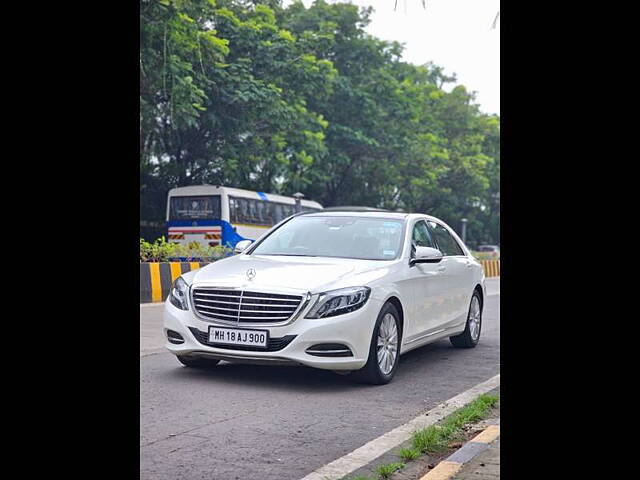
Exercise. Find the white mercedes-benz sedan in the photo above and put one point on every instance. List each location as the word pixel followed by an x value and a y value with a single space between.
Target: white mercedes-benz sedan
pixel 348 291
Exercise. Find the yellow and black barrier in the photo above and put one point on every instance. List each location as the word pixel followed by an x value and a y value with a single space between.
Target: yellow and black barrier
pixel 156 278
pixel 491 267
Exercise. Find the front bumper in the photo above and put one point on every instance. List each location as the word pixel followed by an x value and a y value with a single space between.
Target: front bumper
pixel 352 329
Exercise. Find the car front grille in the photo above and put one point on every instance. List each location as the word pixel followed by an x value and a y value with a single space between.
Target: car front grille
pixel 243 306
pixel 273 344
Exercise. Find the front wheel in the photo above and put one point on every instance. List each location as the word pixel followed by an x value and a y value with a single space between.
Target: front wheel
pixel 471 335
pixel 197 362
pixel 384 351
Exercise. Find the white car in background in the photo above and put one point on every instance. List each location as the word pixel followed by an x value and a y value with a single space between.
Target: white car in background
pixel 347 291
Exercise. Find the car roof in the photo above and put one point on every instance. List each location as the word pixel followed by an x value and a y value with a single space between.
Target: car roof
pixel 356 213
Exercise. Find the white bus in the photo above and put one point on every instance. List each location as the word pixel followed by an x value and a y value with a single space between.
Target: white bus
pixel 223 216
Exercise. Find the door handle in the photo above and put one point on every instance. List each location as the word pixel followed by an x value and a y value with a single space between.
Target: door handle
pixel 442 269
pixel 469 264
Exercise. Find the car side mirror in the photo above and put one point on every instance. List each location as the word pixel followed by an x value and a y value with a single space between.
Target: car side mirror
pixel 426 255
pixel 241 246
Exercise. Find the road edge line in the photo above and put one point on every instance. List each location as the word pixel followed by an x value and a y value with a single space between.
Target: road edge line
pixel 377 447
pixel 448 467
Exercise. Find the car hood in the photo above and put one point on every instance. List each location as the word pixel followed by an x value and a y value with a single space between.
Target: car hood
pixel 305 274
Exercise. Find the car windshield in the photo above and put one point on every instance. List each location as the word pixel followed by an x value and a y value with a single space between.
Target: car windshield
pixel 335 236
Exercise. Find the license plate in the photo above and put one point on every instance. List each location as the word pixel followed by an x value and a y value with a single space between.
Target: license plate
pixel 237 336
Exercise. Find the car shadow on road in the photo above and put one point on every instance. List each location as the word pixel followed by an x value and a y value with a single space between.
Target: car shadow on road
pixel 426 360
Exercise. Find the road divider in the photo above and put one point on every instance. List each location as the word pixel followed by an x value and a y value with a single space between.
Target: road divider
pixel 156 278
pixel 491 267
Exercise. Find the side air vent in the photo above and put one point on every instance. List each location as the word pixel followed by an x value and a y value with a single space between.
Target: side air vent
pixel 174 337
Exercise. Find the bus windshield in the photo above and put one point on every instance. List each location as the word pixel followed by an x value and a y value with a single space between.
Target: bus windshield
pixel 194 208
pixel 337 236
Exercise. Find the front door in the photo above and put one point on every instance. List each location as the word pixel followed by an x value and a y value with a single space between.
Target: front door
pixel 427 289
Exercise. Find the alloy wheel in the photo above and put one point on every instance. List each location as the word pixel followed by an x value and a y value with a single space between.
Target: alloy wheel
pixel 387 344
pixel 474 318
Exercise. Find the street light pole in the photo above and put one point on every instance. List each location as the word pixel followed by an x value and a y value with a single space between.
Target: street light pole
pixel 464 231
pixel 298 196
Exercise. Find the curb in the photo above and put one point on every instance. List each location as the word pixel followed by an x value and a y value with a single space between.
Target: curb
pixel 385 443
pixel 446 469
pixel 156 278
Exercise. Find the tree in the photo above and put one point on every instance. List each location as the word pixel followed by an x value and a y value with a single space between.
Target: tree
pixel 250 94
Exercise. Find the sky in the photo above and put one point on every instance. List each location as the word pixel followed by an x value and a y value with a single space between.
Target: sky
pixel 454 34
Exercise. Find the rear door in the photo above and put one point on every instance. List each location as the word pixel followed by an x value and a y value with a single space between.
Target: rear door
pixel 456 276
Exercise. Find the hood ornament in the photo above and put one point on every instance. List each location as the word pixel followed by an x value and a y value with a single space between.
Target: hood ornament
pixel 251 273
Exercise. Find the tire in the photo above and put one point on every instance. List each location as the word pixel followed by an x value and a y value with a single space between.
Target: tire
pixel 471 335
pixel 372 373
pixel 197 362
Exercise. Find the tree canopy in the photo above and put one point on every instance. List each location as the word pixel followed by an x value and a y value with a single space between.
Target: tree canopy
pixel 250 94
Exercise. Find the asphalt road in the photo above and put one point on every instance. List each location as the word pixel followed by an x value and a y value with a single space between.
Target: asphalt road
pixel 280 423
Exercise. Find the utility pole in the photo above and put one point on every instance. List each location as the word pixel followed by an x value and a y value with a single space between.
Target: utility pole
pixel 464 231
pixel 298 196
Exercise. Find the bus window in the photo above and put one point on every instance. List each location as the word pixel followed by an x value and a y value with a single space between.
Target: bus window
pixel 252 214
pixel 278 214
pixel 233 210
pixel 243 216
pixel 259 212
pixel 194 208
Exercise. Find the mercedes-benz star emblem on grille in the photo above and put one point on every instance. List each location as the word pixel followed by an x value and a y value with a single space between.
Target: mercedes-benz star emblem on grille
pixel 251 273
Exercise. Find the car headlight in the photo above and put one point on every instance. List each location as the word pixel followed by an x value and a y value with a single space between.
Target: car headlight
pixel 337 302
pixel 178 294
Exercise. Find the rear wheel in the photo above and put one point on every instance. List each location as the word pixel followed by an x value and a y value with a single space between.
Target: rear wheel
pixel 471 335
pixel 197 362
pixel 384 351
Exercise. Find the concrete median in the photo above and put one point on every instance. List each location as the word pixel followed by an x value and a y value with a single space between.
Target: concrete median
pixel 156 278
pixel 491 267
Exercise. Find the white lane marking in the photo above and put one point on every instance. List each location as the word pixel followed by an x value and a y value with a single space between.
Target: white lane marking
pixel 370 451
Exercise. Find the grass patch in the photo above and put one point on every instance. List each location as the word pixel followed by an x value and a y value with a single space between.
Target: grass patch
pixel 436 438
pixel 385 471
pixel 408 454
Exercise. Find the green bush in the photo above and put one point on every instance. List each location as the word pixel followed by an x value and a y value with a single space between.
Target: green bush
pixel 163 251
pixel 485 255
